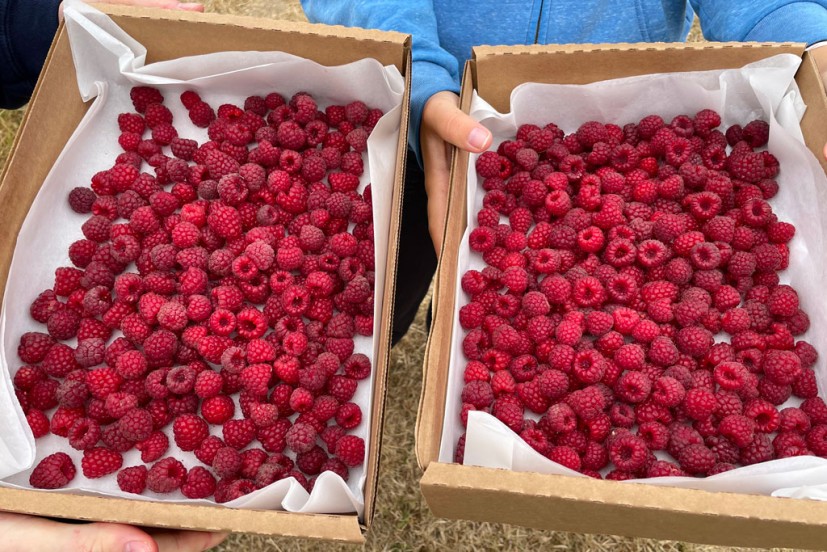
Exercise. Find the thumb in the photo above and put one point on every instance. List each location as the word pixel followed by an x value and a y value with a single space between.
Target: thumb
pixel 22 532
pixel 446 119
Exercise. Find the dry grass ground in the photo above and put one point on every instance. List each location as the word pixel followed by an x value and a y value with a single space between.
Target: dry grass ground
pixel 403 521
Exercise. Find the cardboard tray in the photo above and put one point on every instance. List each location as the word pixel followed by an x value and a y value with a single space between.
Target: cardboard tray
pixel 54 112
pixel 583 504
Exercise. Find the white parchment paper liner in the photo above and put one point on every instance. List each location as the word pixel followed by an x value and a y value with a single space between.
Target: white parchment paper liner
pixel 765 90
pixel 108 64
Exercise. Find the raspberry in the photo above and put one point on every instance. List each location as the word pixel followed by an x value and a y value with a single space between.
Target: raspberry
pixel 189 431
pixel 699 404
pixel 153 447
pixel 166 476
pixel 239 433
pixel 301 438
pixel 350 450
pixel 100 461
pixel 38 422
pixel 782 367
pixel 34 347
pixel 133 479
pixel 53 472
pixel 628 452
pixel 783 301
pixel 756 133
pixel 696 459
pixel 136 425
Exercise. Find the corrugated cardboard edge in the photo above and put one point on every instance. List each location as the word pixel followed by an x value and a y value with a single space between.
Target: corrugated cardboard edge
pixel 14 204
pixel 380 393
pixel 581 504
pixel 591 506
pixel 428 431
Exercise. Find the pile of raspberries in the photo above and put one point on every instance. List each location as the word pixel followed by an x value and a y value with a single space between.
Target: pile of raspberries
pixel 616 260
pixel 239 273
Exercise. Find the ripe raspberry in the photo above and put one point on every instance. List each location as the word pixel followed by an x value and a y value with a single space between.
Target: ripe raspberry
pixel 189 431
pixel 696 459
pixel 100 461
pixel 782 367
pixel 53 472
pixel 166 476
pixel 239 433
pixel 153 447
pixel 133 479
pixel 38 422
pixel 136 425
pixel 628 452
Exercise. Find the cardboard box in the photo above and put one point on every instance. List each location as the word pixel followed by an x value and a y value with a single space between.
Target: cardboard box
pixel 584 504
pixel 52 116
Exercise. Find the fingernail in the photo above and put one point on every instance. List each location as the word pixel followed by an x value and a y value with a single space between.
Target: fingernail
pixel 478 137
pixel 189 5
pixel 137 546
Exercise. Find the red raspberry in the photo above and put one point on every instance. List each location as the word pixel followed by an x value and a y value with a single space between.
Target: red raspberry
pixel 301 438
pixel 154 447
pixel 136 425
pixel 38 422
pixel 239 433
pixel 351 450
pixel 737 428
pixel 782 367
pixel 133 479
pixel 189 431
pixel 756 133
pixel 199 483
pixel 201 114
pixel 699 404
pixel 102 381
pixel 758 450
pixel 100 461
pixel 34 346
pixel 628 452
pixel 53 472
pixel 747 166
pixel 696 459
pixel 142 97
pixel 166 476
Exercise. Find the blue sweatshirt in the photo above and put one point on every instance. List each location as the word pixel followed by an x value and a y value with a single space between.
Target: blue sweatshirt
pixel 444 31
pixel 27 28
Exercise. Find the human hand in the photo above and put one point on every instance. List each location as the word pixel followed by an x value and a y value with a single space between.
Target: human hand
pixel 164 4
pixel 22 533
pixel 443 125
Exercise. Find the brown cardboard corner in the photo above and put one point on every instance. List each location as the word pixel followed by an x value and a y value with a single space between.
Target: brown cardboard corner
pixel 181 33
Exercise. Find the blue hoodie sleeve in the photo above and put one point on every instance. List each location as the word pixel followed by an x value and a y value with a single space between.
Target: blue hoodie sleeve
pixel 776 21
pixel 434 69
pixel 26 31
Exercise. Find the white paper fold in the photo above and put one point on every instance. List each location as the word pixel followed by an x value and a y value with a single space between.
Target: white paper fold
pixel 108 64
pixel 764 90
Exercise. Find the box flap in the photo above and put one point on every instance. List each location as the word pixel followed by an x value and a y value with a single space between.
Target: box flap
pixel 585 505
pixel 178 33
pixel 502 68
